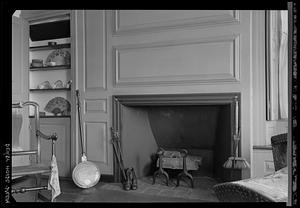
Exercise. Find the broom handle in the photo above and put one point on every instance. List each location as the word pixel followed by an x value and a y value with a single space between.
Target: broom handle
pixel 119 160
pixel 237 129
pixel 79 119
pixel 236 115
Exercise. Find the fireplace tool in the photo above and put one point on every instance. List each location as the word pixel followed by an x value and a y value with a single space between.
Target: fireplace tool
pixel 86 174
pixel 116 145
pixel 236 162
pixel 129 179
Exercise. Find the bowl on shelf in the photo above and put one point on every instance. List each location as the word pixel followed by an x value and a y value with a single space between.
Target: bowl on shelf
pixel 44 85
pixel 60 57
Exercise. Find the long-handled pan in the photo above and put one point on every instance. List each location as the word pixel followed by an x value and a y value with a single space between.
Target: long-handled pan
pixel 86 174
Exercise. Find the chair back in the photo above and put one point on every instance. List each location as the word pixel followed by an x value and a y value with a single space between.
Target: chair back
pixel 279 150
pixel 17 121
pixel 36 123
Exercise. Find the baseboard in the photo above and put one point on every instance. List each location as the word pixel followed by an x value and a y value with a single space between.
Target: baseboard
pixel 107 178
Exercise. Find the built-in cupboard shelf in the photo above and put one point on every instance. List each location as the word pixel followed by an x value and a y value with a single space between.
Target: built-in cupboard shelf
pixel 52 116
pixel 50 47
pixel 42 90
pixel 49 68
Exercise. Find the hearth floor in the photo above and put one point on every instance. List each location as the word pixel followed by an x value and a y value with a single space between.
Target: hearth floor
pixel 146 192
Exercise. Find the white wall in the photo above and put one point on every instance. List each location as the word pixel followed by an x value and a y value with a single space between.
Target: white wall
pixel 20 84
pixel 263 162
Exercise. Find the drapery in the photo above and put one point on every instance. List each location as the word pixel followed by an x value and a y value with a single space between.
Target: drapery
pixel 283 65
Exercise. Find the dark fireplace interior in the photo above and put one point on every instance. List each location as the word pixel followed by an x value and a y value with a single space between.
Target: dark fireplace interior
pixel 203 130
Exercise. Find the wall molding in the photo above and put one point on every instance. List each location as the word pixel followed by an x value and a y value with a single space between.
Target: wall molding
pixel 208 21
pixel 232 77
pixel 176 99
pixel 102 86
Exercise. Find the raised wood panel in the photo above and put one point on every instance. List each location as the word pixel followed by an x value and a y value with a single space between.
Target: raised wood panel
pixel 95 105
pixel 132 21
pixel 208 60
pixel 95 47
pixel 96 141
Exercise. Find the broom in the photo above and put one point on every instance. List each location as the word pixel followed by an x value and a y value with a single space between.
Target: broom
pixel 235 162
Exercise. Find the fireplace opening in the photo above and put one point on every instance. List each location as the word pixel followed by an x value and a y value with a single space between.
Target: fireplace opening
pixel 203 127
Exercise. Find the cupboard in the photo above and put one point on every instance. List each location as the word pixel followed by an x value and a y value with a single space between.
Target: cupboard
pixel 50 79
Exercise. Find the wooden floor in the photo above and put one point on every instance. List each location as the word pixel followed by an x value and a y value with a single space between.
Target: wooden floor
pixel 72 193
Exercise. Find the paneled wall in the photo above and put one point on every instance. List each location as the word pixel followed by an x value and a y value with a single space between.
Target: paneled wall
pixel 161 52
pixel 90 34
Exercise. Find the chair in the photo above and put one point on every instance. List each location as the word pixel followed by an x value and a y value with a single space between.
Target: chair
pixel 34 168
pixel 279 150
pixel 270 188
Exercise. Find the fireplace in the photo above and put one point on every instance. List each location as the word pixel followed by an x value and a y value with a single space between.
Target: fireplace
pixel 201 123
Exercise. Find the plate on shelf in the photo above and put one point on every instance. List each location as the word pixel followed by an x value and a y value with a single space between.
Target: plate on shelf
pixel 60 57
pixel 58 105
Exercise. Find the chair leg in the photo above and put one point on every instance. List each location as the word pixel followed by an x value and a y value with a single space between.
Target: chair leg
pixel 37 184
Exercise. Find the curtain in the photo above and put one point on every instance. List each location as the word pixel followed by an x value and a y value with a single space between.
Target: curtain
pixel 283 65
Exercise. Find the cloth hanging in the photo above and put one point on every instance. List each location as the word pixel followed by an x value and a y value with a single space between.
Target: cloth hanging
pixel 53 183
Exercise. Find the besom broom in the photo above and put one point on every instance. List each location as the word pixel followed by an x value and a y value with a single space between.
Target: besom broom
pixel 235 162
